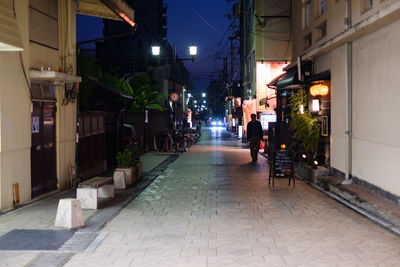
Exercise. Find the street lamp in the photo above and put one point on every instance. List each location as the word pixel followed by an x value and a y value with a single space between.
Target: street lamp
pixel 155 50
pixel 203 94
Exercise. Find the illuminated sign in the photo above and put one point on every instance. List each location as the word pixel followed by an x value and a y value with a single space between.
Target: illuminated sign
pixel 267 118
pixel 265 73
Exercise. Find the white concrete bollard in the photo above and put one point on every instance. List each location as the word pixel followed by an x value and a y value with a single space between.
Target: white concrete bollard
pixel 106 191
pixel 119 180
pixel 69 214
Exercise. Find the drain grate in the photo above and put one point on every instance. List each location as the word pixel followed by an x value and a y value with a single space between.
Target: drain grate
pixel 22 239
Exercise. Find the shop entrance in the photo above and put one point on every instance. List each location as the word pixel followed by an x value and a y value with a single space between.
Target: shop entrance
pixel 43 150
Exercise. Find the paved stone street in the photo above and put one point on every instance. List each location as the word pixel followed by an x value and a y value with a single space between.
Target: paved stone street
pixel 213 207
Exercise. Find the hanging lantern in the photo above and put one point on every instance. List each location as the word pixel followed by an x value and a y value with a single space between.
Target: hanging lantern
pixel 319 89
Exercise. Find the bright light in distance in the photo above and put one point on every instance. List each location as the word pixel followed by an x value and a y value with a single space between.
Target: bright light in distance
pixel 213 123
pixel 193 50
pixel 203 94
pixel 195 101
pixel 315 162
pixel 189 95
pixel 204 101
pixel 155 50
pixel 220 123
pixel 304 156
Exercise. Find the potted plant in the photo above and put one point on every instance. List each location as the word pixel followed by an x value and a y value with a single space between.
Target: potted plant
pixel 306 132
pixel 126 163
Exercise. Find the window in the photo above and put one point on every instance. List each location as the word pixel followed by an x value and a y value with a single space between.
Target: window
pixel 321 30
pixel 308 12
pixel 322 7
pixel 366 5
pixel 307 40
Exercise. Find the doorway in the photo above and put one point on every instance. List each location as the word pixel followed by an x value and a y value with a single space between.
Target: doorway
pixel 43 150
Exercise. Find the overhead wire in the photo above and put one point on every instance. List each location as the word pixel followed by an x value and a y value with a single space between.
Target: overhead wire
pixel 203 19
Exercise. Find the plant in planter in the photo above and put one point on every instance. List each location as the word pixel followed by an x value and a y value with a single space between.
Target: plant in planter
pixel 306 132
pixel 305 127
pixel 126 163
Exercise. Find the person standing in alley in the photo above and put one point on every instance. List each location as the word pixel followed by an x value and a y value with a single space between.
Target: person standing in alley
pixel 254 135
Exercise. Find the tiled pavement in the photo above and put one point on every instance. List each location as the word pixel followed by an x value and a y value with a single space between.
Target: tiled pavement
pixel 41 215
pixel 213 208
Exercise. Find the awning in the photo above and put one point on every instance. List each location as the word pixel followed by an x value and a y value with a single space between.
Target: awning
pixel 286 81
pixel 10 39
pixel 109 9
pixel 53 77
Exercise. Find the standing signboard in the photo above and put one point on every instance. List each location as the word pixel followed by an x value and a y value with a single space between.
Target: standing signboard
pixel 281 166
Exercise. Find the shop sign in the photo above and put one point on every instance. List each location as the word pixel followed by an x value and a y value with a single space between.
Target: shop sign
pixel 35 124
pixel 174 97
pixel 265 73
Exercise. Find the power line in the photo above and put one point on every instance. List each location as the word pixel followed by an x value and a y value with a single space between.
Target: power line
pixel 204 20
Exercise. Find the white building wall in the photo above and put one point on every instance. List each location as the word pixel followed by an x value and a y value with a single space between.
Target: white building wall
pixel 66 118
pixel 376 109
pixel 15 119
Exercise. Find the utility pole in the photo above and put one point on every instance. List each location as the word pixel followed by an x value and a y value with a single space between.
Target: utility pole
pixel 225 72
pixel 231 39
pixel 174 85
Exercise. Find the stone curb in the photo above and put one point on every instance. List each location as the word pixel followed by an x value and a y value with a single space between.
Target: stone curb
pixel 359 205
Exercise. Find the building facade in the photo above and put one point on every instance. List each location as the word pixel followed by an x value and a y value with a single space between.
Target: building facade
pixel 357 43
pixel 38 85
pixel 266 50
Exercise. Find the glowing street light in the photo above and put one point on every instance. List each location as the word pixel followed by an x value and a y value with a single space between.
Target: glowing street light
pixel 203 94
pixel 155 50
pixel 193 50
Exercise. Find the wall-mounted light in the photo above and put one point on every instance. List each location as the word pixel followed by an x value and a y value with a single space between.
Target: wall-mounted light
pixel 301 109
pixel 315 105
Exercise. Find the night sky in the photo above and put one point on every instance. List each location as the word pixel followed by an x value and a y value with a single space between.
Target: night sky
pixel 189 22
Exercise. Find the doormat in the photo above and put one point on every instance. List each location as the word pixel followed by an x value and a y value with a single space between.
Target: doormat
pixel 21 239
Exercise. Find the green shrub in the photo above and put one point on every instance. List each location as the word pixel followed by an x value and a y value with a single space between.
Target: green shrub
pixel 128 158
pixel 305 126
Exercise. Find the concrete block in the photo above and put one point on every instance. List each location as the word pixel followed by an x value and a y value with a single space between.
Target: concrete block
pixel 87 197
pixel 106 191
pixel 119 180
pixel 128 175
pixel 69 214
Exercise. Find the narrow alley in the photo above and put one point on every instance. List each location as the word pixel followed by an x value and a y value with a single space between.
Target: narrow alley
pixel 214 208
pixel 210 207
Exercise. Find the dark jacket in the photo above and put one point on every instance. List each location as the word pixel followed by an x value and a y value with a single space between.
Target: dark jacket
pixel 254 128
